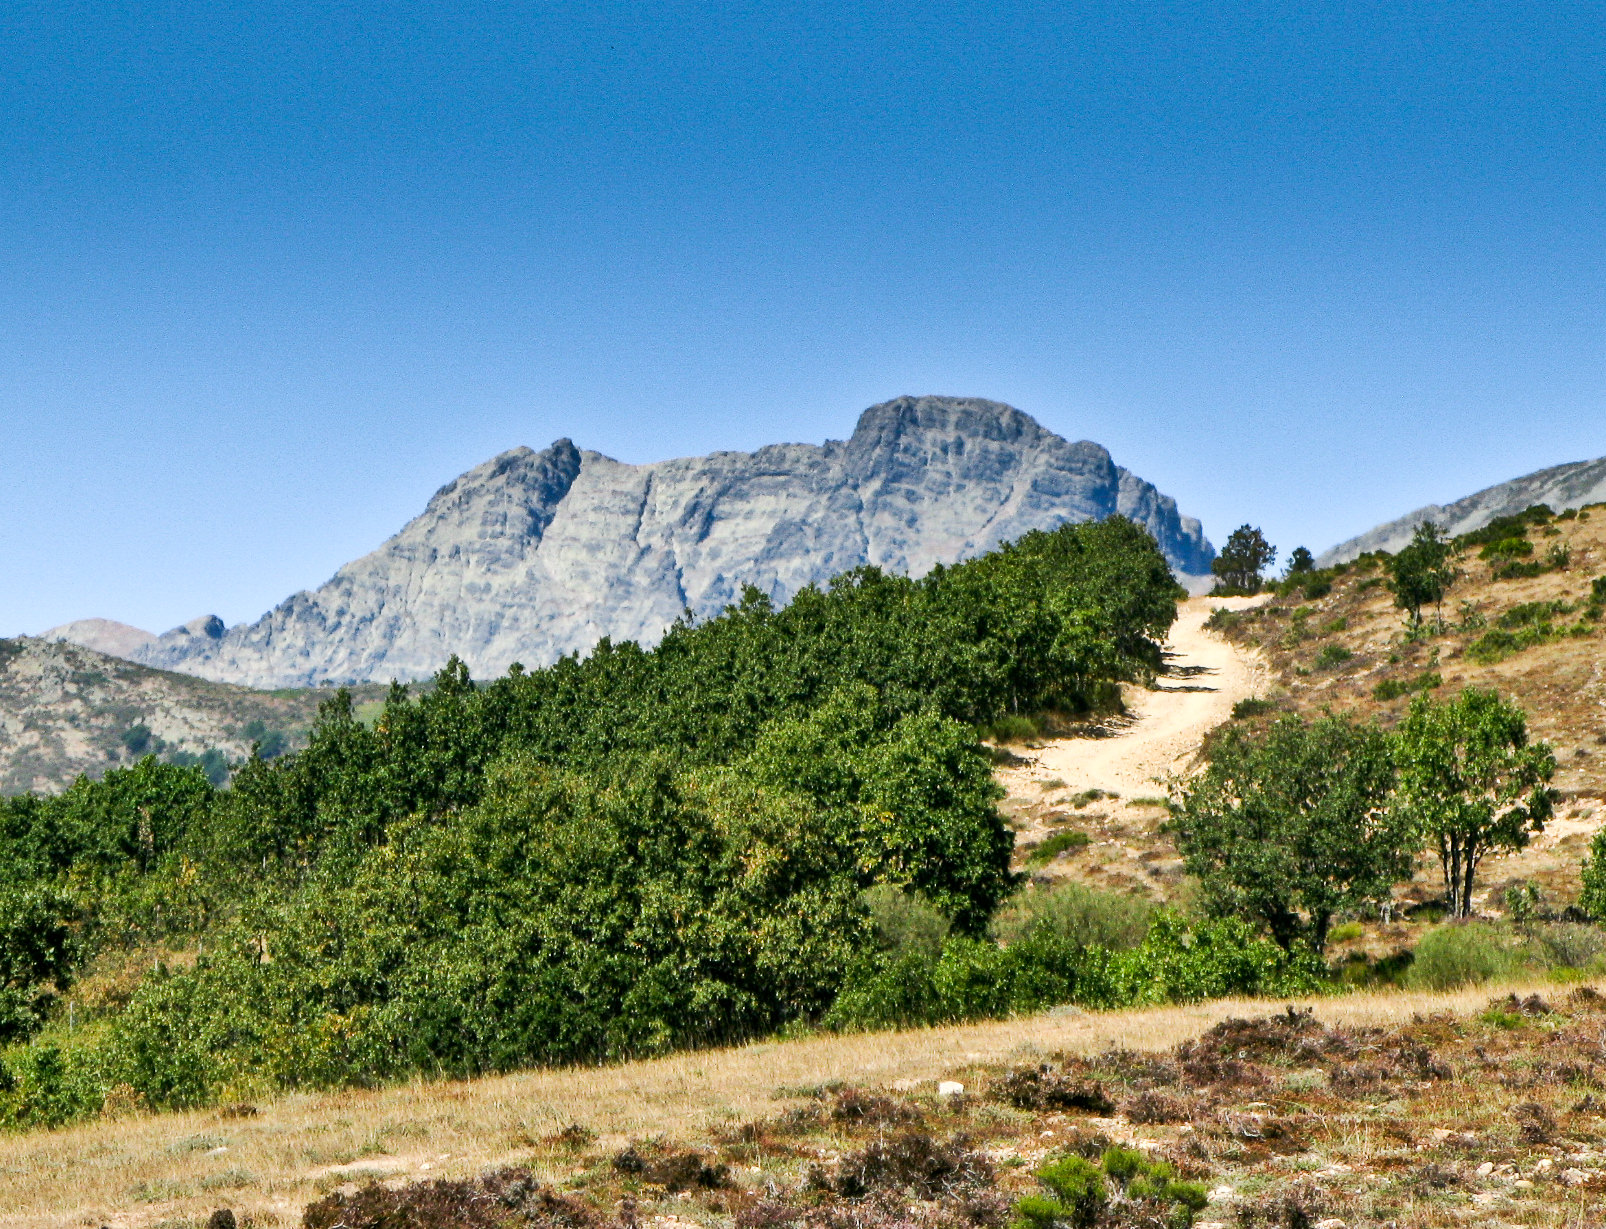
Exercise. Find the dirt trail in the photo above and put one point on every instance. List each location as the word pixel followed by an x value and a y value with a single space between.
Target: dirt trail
pixel 1205 676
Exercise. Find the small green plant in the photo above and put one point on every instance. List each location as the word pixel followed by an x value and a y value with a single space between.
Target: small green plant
pixel 1053 783
pixel 1332 656
pixel 1014 729
pixel 1056 845
pixel 1250 706
pixel 1335 625
pixel 1077 914
pixel 1089 796
pixel 1522 902
pixel 1146 1192
pixel 1391 689
pixel 1345 932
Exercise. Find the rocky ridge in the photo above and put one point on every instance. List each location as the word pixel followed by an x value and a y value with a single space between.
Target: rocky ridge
pixel 533 555
pixel 1560 486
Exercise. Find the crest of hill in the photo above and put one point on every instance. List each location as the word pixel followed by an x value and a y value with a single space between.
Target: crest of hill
pixel 534 555
pixel 1561 487
pixel 103 635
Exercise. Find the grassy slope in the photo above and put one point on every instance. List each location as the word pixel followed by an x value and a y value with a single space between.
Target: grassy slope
pixel 1369 1136
pixel 1562 685
pixel 64 710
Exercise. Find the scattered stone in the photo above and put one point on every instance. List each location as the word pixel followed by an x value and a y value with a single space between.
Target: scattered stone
pixel 950 1088
pixel 1574 1177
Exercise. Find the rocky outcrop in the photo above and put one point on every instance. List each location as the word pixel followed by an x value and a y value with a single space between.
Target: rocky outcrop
pixel 1561 486
pixel 537 554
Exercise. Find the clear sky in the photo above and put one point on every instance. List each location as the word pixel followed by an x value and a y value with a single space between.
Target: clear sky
pixel 271 273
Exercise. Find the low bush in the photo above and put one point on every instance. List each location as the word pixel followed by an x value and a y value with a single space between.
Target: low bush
pixel 1467 953
pixel 1392 689
pixel 1079 1194
pixel 1250 706
pixel 974 980
pixel 1332 656
pixel 1013 729
pixel 1077 914
pixel 1056 845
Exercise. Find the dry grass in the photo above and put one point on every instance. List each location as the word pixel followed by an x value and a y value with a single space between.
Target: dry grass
pixel 175 1167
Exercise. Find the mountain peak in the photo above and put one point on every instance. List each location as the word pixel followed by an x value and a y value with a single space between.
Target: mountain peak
pixel 532 555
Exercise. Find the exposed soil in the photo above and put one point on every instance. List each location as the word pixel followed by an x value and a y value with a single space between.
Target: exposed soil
pixel 1108 780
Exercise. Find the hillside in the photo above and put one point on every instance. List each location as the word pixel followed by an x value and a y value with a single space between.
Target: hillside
pixel 1532 638
pixel 66 710
pixel 535 555
pixel 1561 487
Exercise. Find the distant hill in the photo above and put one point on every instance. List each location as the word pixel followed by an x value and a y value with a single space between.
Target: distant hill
pixel 1561 486
pixel 533 555
pixel 66 710
pixel 103 635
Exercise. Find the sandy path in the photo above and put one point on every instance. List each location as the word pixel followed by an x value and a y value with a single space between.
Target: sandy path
pixel 1205 676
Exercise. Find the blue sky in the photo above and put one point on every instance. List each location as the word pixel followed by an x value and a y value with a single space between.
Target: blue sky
pixel 272 273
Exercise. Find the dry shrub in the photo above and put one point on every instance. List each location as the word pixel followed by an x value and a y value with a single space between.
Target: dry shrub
pixel 1586 998
pixel 1153 1107
pixel 671 1168
pixel 573 1137
pixel 1536 1123
pixel 855 1106
pixel 1044 1087
pixel 1136 1069
pixel 510 1197
pixel 913 1162
pixel 1533 1006
pixel 1298 1206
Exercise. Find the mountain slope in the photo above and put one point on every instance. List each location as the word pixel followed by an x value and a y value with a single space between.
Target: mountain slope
pixel 1561 486
pixel 66 709
pixel 537 554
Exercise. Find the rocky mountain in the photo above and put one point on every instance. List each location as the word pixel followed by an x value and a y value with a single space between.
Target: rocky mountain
pixel 1560 486
pixel 66 710
pixel 536 554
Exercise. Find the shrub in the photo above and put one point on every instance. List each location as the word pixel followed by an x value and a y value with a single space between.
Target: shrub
pixel 1462 953
pixel 1056 845
pixel 1250 706
pixel 1147 1192
pixel 1079 915
pixel 1332 656
pixel 1014 729
pixel 1391 689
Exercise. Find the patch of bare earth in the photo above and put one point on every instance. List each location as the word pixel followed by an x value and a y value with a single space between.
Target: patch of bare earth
pixel 1108 780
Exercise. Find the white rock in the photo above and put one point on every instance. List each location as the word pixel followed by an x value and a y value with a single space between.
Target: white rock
pixel 1484 1170
pixel 1544 1165
pixel 1574 1177
pixel 1332 1222
pixel 1522 1184
pixel 536 554
pixel 1220 1194
pixel 950 1088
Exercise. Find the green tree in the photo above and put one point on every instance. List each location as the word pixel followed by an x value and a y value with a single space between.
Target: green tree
pixel 1301 561
pixel 38 954
pixel 1471 783
pixel 1239 566
pixel 1294 826
pixel 1422 573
